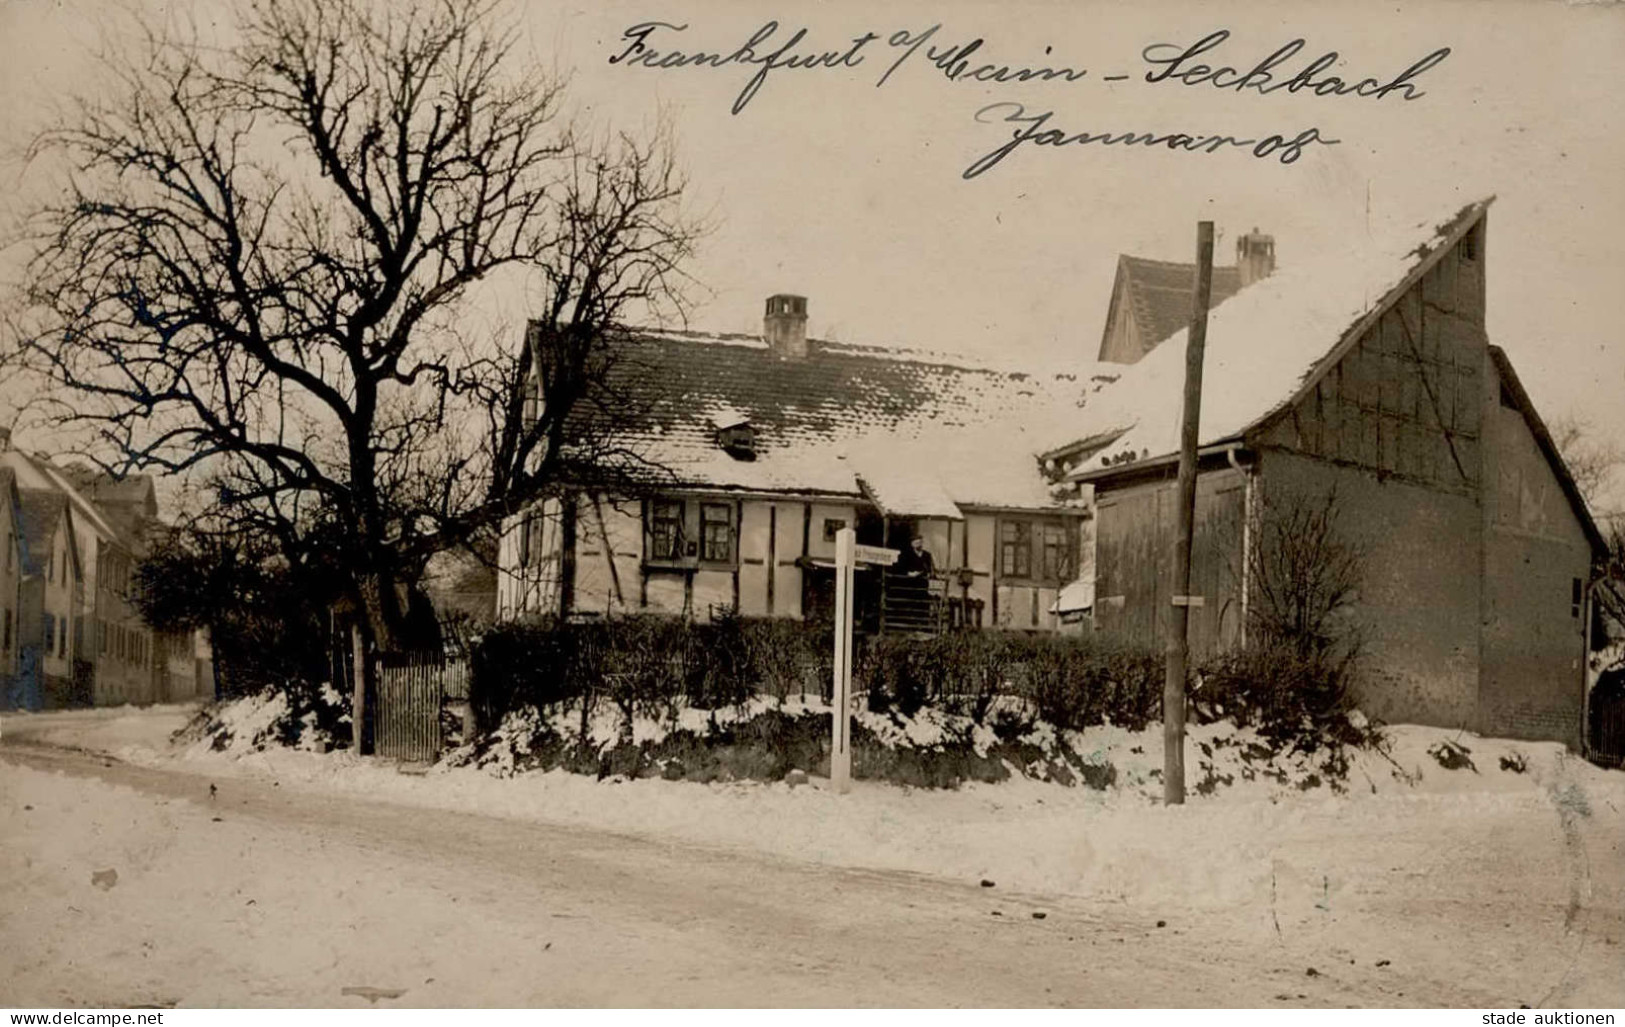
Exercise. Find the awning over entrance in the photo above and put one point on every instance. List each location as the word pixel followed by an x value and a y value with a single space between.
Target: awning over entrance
pixel 907 492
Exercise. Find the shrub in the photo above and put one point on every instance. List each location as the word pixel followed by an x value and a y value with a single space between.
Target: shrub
pixel 522 664
pixel 1076 682
pixel 982 663
pixel 1291 697
pixel 899 673
pixel 1070 681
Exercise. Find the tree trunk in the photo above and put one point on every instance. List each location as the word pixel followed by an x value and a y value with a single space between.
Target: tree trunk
pixel 360 707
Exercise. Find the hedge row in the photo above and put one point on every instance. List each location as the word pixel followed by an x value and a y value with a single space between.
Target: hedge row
pixel 646 665
pixel 650 666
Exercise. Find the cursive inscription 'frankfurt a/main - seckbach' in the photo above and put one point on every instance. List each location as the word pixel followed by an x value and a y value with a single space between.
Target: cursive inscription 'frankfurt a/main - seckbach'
pixel 768 50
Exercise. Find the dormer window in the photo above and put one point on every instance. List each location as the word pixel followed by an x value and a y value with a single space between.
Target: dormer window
pixel 738 441
pixel 735 435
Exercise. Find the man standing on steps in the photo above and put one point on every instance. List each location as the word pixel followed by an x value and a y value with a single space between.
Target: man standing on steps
pixel 916 561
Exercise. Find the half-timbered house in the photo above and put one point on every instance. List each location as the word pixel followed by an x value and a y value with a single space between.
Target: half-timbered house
pixel 760 448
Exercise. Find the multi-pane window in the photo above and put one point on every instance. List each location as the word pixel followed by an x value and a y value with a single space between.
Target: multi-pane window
pixel 1056 554
pixel 1036 550
pixel 716 531
pixel 689 530
pixel 1016 549
pixel 665 530
pixel 50 633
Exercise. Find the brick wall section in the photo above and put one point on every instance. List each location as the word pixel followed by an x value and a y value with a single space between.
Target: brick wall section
pixel 1420 603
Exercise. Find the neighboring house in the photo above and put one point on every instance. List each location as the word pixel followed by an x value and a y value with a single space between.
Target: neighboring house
pixel 1151 299
pixel 462 586
pixel 760 449
pixel 11 573
pixel 134 662
pixel 50 631
pixel 1368 377
pixel 116 657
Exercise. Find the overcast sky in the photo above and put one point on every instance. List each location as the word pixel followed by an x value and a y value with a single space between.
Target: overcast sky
pixel 854 194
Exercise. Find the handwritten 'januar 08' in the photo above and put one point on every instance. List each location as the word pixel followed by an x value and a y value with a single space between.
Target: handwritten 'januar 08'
pixel 1196 64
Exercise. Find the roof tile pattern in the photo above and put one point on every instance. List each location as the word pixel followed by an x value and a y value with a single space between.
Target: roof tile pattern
pixel 821 418
pixel 1162 292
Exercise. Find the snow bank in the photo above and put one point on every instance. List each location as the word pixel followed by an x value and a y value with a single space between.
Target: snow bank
pixel 1248 838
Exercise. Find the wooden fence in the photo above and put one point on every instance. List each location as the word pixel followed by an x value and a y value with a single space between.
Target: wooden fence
pixel 1607 715
pixel 412 688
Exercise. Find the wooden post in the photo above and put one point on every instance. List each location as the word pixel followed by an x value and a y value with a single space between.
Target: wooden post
pixel 840 751
pixel 1178 648
pixel 360 737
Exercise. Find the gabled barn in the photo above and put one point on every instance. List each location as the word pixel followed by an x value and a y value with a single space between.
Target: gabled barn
pixel 1367 378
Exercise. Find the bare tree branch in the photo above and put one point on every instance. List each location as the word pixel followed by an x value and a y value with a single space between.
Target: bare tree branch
pixel 258 268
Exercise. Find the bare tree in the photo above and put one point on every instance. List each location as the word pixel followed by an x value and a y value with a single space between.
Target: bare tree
pixel 261 268
pixel 1591 459
pixel 1305 573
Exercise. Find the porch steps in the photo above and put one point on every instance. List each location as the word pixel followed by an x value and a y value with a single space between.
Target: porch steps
pixel 910 607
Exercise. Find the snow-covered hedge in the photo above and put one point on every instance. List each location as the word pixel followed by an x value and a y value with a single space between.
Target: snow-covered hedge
pixel 646 664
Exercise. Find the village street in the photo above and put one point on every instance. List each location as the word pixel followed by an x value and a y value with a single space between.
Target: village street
pixel 266 894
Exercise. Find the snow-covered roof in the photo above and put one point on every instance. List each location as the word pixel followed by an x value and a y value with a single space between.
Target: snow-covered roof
pixel 725 416
pixel 1263 346
pixel 35 472
pixel 1075 597
pixel 926 434
pixel 904 488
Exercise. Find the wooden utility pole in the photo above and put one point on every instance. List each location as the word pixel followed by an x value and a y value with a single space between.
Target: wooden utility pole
pixel 1178 651
pixel 840 750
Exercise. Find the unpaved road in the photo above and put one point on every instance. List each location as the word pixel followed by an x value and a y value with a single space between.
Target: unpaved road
pixel 264 895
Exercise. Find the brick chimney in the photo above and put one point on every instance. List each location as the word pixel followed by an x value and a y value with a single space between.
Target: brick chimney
pixel 1255 257
pixel 784 326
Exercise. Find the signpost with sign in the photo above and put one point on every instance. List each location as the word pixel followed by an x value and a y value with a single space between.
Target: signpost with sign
pixel 848 554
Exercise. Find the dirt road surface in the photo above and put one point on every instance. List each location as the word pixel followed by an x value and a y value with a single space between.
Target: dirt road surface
pixel 265 895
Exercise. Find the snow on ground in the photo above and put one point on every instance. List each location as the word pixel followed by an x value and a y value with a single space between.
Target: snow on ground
pixel 108 729
pixel 1222 849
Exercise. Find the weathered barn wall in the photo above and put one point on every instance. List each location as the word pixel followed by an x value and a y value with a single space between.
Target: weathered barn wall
pixel 1401 428
pixel 1133 542
pixel 1536 561
pixel 1420 601
pixel 1407 399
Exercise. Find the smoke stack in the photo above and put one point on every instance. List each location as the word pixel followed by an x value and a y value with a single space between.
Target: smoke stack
pixel 1255 257
pixel 784 326
pixel 5 439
